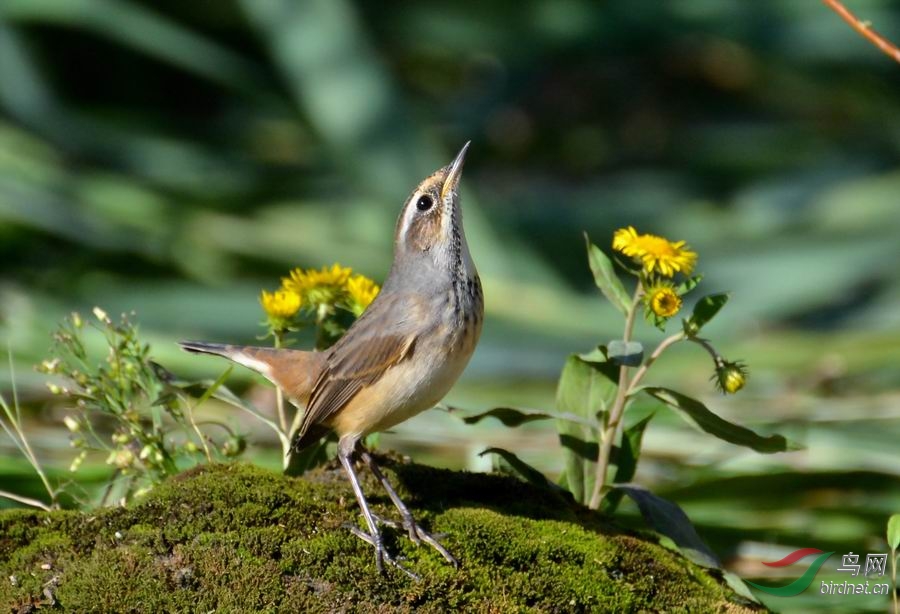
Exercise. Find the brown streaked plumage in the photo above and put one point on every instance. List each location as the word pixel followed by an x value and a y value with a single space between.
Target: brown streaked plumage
pixel 400 357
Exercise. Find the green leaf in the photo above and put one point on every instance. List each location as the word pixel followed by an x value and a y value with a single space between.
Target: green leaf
pixel 599 360
pixel 655 320
pixel 509 416
pixel 625 353
pixel 515 416
pixel 578 471
pixel 670 520
pixel 605 277
pixel 588 450
pixel 597 355
pixel 688 284
pixel 704 311
pixel 738 585
pixel 629 451
pixel 219 383
pixel 310 457
pixel 697 414
pixel 893 531
pixel 625 460
pixel 515 465
pixel 585 390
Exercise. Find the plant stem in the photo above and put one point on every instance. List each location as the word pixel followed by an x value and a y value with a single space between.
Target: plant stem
pixel 25 500
pixel 190 412
pixel 662 347
pixel 894 579
pixel 22 444
pixel 614 418
pixel 706 345
pixel 864 29
pixel 279 395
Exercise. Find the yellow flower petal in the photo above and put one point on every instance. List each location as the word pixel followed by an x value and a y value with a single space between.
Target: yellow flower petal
pixel 655 253
pixel 361 291
pixel 317 287
pixel 281 304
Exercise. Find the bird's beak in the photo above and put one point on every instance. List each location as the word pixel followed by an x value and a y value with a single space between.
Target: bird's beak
pixel 455 171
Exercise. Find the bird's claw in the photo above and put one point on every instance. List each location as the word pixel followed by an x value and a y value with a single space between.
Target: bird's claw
pixel 418 535
pixel 381 554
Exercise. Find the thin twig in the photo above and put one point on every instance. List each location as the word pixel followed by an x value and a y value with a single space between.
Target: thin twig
pixel 25 500
pixel 887 47
pixel 23 443
pixel 190 412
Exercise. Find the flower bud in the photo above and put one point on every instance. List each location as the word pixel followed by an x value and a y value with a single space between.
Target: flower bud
pixel 76 463
pixel 730 376
pixel 101 315
pixel 50 366
pixel 72 424
pixel 234 445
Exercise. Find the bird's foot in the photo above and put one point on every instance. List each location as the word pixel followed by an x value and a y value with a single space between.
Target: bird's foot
pixel 417 535
pixel 382 556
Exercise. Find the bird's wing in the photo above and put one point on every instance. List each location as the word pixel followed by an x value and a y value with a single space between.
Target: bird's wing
pixel 383 337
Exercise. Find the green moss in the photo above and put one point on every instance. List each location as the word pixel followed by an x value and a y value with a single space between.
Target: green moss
pixel 238 538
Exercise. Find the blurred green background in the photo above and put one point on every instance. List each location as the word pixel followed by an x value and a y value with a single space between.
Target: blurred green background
pixel 174 158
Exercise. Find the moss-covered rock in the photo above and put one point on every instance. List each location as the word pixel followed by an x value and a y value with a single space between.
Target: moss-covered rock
pixel 234 538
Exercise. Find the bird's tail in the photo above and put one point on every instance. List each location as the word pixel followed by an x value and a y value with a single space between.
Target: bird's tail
pixel 294 371
pixel 217 349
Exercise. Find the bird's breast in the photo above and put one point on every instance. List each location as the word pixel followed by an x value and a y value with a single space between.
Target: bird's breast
pixel 441 352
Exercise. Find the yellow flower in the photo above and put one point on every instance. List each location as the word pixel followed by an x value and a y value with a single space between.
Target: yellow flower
pixel 281 304
pixel 324 286
pixel 730 376
pixel 361 291
pixel 663 301
pixel 655 253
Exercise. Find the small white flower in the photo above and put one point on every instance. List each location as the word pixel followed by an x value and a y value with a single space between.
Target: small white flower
pixel 101 315
pixel 72 424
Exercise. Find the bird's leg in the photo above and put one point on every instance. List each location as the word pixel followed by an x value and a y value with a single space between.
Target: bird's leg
pixel 373 537
pixel 416 533
pixel 345 454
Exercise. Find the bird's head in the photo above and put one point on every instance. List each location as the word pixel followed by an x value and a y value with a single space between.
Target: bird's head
pixel 430 229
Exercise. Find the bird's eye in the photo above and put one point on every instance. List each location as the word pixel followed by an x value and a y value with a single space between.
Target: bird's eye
pixel 424 203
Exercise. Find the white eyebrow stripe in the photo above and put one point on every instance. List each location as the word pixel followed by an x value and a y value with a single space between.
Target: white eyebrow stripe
pixel 408 213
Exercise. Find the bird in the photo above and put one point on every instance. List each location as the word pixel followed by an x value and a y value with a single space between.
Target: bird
pixel 399 358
